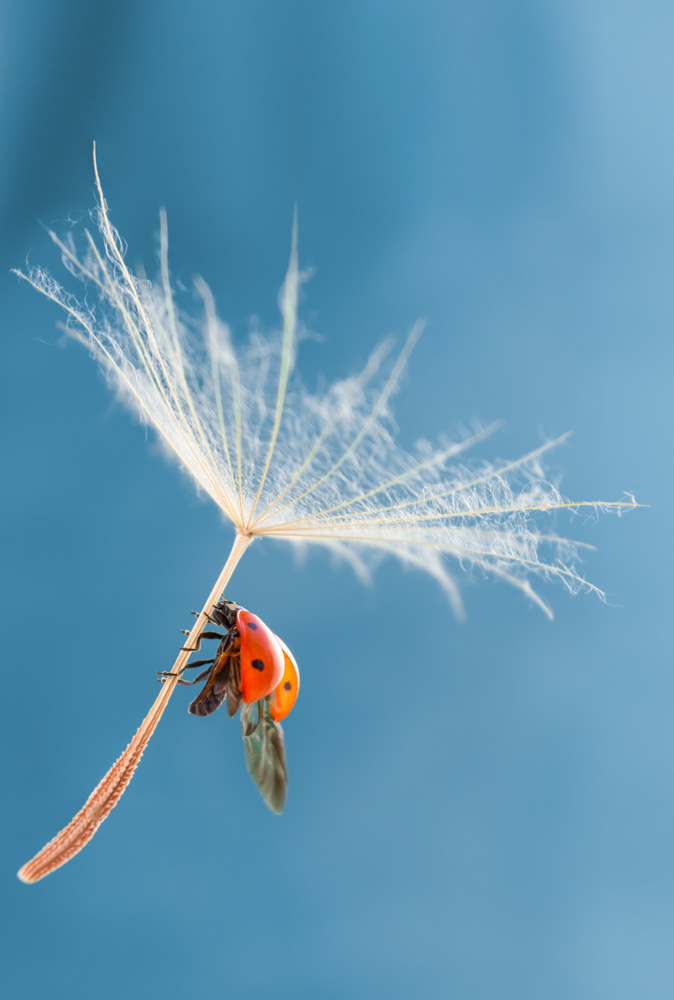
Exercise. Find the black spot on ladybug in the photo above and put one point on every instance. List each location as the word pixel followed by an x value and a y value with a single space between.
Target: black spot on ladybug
pixel 258 664
pixel 287 685
pixel 253 626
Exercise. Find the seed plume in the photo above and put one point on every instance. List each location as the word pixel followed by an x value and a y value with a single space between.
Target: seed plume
pixel 319 467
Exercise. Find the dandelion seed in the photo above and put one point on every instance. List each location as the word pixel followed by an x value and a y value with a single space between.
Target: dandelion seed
pixel 285 463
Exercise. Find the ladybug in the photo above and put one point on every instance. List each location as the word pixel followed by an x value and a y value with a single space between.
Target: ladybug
pixel 253 670
pixel 250 664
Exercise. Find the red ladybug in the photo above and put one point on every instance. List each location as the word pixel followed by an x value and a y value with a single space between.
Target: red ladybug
pixel 253 666
pixel 250 664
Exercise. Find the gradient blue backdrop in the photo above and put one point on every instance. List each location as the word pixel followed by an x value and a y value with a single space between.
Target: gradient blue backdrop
pixel 505 170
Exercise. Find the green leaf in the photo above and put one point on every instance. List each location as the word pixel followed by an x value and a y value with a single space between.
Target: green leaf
pixel 265 753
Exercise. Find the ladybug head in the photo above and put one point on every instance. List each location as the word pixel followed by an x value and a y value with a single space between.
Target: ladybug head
pixel 225 613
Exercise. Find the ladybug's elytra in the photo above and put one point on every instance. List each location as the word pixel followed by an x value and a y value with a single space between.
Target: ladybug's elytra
pixel 262 659
pixel 286 691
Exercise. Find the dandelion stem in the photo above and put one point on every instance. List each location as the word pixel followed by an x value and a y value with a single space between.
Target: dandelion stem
pixel 107 793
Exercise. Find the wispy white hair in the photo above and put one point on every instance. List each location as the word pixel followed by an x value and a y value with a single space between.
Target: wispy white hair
pixel 284 462
pixel 318 467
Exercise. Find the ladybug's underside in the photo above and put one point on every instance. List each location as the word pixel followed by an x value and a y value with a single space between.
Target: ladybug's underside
pixel 224 679
pixel 224 669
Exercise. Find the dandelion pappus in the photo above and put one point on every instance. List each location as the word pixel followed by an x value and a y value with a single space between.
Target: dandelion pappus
pixel 280 461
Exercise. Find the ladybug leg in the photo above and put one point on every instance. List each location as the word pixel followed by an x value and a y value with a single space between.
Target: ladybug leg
pixel 216 617
pixel 162 679
pixel 206 616
pixel 204 635
pixel 188 666
pixel 200 677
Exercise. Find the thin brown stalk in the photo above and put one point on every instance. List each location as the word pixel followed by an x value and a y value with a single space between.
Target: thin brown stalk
pixel 107 793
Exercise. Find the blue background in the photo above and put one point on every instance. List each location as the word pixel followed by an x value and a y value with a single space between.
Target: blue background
pixel 476 810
